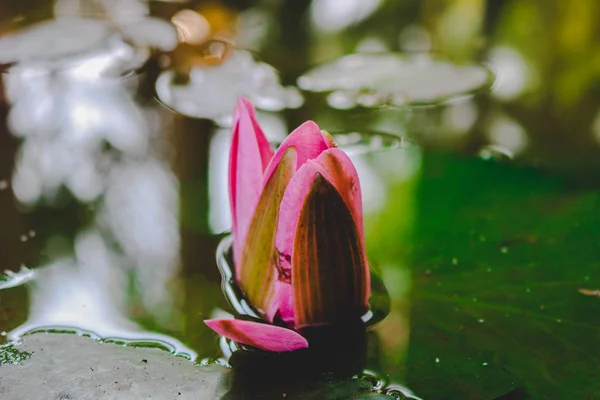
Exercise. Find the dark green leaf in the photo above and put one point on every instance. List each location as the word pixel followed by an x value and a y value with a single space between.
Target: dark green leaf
pixel 500 254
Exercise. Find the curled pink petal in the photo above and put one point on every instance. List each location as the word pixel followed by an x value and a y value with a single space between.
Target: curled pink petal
pixel 336 167
pixel 309 142
pixel 339 170
pixel 282 303
pixel 245 112
pixel 249 156
pixel 330 275
pixel 291 205
pixel 262 336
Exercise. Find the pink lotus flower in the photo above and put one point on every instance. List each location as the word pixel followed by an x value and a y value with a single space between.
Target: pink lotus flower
pixel 298 235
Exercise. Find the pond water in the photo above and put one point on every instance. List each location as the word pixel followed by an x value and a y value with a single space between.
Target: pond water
pixel 481 209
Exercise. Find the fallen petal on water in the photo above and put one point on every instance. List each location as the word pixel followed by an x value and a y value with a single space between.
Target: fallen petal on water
pixel 262 336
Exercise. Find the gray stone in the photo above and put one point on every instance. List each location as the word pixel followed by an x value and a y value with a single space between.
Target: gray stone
pixel 70 367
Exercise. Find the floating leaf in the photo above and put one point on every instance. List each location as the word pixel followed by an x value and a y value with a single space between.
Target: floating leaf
pixel 376 79
pixel 495 307
pixel 204 95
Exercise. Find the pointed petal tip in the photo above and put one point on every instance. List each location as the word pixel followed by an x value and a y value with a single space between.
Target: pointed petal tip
pixel 309 126
pixel 244 102
pixel 243 107
pixel 313 128
pixel 250 153
pixel 262 336
pixel 328 139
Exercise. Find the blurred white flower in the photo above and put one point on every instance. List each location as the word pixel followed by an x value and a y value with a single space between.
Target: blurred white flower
pixel 73 106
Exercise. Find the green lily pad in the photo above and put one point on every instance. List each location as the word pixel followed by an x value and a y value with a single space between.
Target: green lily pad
pixel 501 255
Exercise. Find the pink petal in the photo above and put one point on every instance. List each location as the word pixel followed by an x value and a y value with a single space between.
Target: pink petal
pixel 255 271
pixel 282 303
pixel 248 159
pixel 337 168
pixel 262 336
pixel 309 142
pixel 246 107
pixel 341 173
pixel 330 275
pixel 290 208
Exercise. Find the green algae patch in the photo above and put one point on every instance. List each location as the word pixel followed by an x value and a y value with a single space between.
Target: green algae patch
pixel 9 355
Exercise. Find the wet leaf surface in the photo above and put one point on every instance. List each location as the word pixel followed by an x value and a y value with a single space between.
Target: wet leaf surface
pixel 500 255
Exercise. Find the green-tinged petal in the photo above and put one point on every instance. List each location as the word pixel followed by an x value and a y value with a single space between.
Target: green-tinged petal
pixel 249 156
pixel 329 271
pixel 256 265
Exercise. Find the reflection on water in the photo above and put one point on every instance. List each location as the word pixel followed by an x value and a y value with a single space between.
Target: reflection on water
pixel 65 137
pixel 12 279
pixel 508 134
pixel 87 293
pixel 89 135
